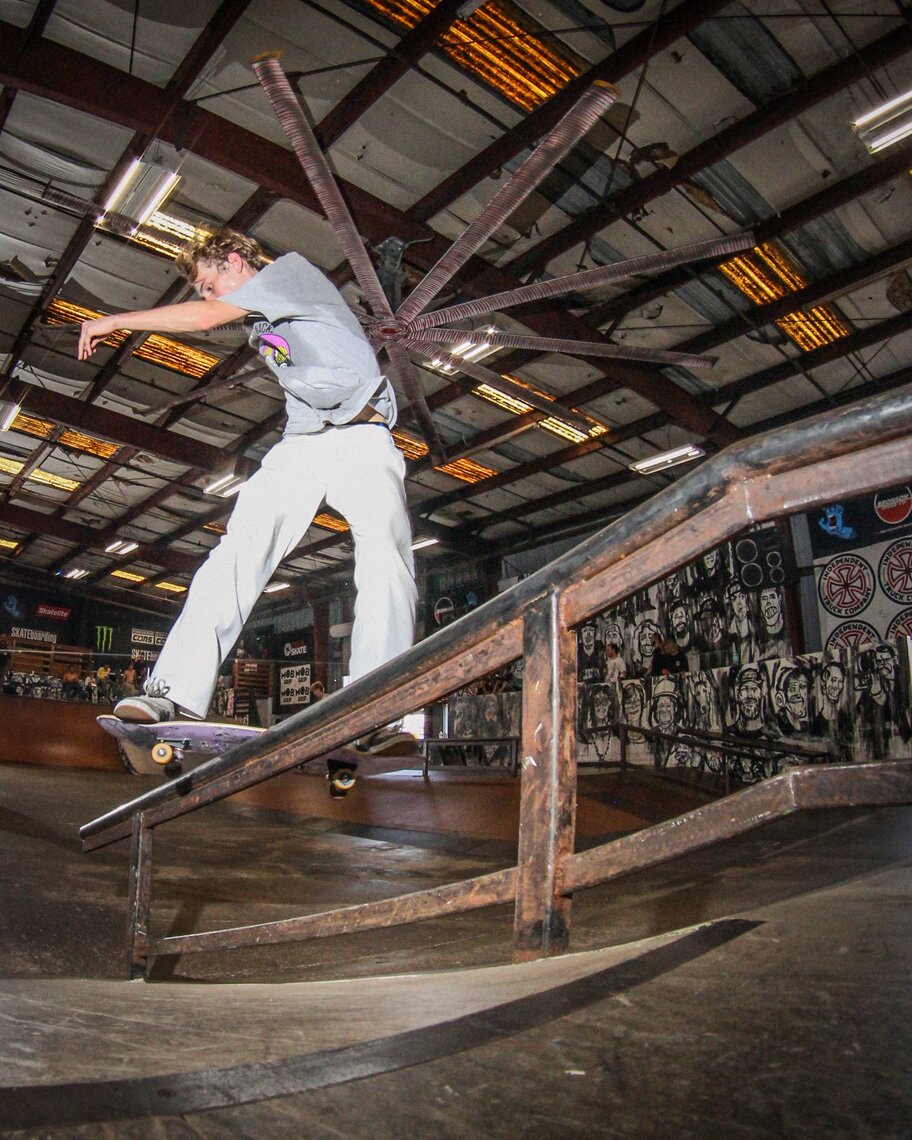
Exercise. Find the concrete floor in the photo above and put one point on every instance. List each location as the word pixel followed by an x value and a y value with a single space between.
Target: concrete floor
pixel 758 989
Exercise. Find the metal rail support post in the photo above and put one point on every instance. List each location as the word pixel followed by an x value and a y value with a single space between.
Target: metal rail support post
pixel 547 814
pixel 140 897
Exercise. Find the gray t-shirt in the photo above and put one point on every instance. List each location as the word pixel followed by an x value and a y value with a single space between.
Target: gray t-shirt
pixel 314 345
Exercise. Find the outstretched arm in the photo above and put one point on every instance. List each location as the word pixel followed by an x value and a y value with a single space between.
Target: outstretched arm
pixel 187 316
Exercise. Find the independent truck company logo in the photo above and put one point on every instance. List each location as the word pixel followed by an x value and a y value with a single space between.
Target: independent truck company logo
pixel 893 507
pixel 104 638
pixel 846 585
pixel 895 571
pixel 850 635
pixel 900 626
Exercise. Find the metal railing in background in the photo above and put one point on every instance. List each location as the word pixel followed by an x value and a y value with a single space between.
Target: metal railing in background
pixel 847 452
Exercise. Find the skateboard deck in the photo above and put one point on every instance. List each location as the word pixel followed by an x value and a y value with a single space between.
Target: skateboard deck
pixel 148 748
pixel 172 747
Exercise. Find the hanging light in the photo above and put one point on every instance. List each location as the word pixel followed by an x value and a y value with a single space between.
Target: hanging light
pixel 667 459
pixel 8 413
pixel 887 124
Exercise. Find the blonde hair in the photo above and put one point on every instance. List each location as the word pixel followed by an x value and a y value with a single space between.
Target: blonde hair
pixel 215 248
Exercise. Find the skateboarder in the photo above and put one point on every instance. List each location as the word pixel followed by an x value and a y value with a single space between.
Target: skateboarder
pixel 337 447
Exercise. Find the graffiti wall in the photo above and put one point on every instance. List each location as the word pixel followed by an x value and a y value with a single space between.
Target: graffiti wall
pixel 852 702
pixel 727 608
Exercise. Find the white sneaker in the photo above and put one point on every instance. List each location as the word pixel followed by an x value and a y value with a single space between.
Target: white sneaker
pixel 145 710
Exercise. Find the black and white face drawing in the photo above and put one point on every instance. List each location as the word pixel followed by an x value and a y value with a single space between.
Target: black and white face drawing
pixel 704 703
pixel 679 619
pixel 832 685
pixel 792 699
pixel 750 690
pixel 646 636
pixel 603 711
pixel 633 701
pixel 665 710
pixel 771 610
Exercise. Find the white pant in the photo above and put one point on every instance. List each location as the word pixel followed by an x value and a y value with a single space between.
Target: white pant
pixel 359 471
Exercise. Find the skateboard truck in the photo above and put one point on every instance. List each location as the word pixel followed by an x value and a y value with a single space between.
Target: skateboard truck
pixel 169 754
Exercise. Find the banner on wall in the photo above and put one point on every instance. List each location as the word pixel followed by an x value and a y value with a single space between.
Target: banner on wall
pixel 26 615
pixel 293 686
pixel 863 567
pixel 294 676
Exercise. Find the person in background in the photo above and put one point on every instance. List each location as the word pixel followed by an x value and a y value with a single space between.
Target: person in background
pixel 71 682
pixel 128 681
pixel 615 665
pixel 103 681
pixel 668 658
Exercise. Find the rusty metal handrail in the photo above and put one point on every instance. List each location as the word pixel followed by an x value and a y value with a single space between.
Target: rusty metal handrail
pixel 777 473
pixel 849 785
pixel 855 450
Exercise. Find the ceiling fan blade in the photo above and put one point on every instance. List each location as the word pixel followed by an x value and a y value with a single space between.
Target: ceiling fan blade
pixel 407 376
pixel 569 347
pixel 567 133
pixel 284 102
pixel 587 279
pixel 504 384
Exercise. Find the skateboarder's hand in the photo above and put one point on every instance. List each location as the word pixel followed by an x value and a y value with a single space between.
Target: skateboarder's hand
pixel 91 333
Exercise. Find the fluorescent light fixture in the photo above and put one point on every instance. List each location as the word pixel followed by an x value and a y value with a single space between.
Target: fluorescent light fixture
pixel 76 572
pixel 226 485
pixel 421 543
pixel 143 189
pixel 8 413
pixel 275 587
pixel 667 459
pixel 887 124
pixel 122 546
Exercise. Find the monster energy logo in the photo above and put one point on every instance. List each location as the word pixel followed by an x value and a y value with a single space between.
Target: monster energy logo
pixel 104 638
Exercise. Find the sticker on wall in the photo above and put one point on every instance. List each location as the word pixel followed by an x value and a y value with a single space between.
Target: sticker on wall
pixel 901 625
pixel 851 634
pixel 895 571
pixel 846 585
pixel 893 507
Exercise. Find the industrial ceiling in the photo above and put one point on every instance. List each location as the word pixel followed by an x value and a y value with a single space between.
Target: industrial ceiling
pixel 721 120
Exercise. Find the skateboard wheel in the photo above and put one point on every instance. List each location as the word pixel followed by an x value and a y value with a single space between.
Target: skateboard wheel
pixel 162 753
pixel 174 768
pixel 343 779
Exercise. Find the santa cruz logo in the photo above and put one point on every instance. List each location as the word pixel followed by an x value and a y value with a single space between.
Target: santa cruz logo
pixel 895 571
pixel 893 507
pixel 846 585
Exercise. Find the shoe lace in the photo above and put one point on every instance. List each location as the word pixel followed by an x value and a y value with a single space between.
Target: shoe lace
pixel 156 688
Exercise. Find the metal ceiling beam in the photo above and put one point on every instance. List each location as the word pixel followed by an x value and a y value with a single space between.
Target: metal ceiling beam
pixel 834 79
pixel 58 73
pixel 655 38
pixel 807 361
pixel 20 518
pixel 894 164
pixel 414 44
pixel 817 293
pixel 118 428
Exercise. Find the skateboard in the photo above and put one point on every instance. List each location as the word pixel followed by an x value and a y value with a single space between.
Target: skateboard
pixel 169 745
